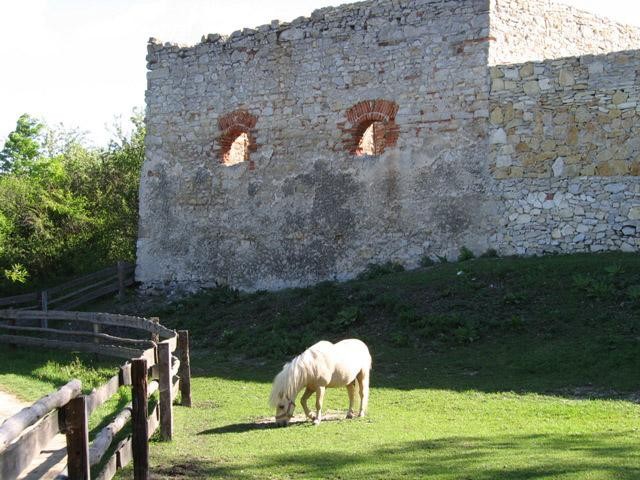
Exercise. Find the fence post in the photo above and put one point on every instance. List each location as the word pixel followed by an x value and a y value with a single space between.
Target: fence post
pixel 184 371
pixel 155 337
pixel 166 391
pixel 139 413
pixel 121 280
pixel 77 433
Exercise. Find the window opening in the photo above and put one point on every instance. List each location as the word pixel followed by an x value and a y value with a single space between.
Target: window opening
pixel 238 151
pixel 372 141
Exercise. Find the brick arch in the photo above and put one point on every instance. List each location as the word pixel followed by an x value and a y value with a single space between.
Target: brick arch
pixel 378 113
pixel 232 125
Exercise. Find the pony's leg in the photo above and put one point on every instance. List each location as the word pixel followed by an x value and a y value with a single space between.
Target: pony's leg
pixel 319 400
pixel 351 390
pixel 303 401
pixel 363 380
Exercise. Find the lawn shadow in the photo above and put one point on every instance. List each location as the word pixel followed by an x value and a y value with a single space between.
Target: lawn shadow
pixel 480 458
pixel 268 423
pixel 493 367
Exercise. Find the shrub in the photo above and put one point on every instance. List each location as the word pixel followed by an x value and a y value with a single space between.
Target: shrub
pixel 633 292
pixel 465 254
pixel 426 261
pixel 490 253
pixel 514 299
pixel 346 317
pixel 374 270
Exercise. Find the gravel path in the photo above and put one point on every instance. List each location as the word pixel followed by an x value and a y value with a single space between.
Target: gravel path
pixel 52 460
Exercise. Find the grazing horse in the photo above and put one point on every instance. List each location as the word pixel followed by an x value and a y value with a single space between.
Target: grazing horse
pixel 320 366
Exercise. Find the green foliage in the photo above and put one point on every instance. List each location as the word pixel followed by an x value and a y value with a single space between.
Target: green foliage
pixel 602 288
pixel 346 317
pixel 374 270
pixel 17 273
pixel 465 254
pixel 514 298
pixel 66 208
pixel 490 253
pixel 633 292
pixel 442 258
pixel 426 261
pixel 22 147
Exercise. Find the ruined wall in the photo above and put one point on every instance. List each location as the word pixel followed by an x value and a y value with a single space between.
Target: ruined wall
pixel 534 30
pixel 303 207
pixel 474 142
pixel 565 148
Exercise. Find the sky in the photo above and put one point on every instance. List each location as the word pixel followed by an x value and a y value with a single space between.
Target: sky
pixel 82 62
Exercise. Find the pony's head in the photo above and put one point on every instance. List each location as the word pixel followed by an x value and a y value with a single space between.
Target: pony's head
pixel 283 397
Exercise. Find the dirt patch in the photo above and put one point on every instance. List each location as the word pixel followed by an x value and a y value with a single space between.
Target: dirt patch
pixel 328 416
pixel 588 392
pixel 9 405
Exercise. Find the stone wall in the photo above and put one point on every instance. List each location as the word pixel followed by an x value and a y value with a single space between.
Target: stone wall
pixel 388 130
pixel 534 30
pixel 304 207
pixel 565 133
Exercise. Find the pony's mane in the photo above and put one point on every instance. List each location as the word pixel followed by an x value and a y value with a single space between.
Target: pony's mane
pixel 289 381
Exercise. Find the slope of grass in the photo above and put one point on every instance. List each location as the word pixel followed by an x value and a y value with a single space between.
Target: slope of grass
pixel 543 323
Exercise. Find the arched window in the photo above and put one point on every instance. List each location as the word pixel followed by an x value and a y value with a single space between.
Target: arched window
pixel 238 151
pixel 236 140
pixel 373 127
pixel 372 141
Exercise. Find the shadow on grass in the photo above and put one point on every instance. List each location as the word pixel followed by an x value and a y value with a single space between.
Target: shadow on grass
pixel 238 428
pixel 479 458
pixel 567 367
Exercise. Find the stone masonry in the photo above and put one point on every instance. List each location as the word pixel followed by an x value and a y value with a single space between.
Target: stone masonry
pixel 388 130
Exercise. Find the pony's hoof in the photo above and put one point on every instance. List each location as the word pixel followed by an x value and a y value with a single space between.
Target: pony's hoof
pixel 349 415
pixel 361 414
pixel 311 417
pixel 316 421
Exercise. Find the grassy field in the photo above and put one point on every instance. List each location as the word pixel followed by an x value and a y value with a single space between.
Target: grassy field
pixel 484 369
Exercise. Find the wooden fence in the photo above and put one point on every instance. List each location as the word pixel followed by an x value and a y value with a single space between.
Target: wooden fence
pixel 151 366
pixel 76 292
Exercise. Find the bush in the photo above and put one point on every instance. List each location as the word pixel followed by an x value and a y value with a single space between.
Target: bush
pixel 374 270
pixel 490 253
pixel 426 261
pixel 465 254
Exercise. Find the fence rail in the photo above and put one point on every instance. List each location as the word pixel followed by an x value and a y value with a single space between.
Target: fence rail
pixel 76 292
pixel 159 364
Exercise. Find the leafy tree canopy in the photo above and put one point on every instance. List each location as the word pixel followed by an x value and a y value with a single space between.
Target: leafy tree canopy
pixel 22 147
pixel 66 208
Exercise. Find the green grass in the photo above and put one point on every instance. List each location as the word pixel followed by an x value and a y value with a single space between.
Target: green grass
pixel 416 433
pixel 490 368
pixel 31 374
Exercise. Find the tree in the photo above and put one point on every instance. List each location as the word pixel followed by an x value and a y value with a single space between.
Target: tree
pixel 22 147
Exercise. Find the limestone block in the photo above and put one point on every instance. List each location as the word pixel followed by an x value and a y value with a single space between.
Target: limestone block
pixel 565 78
pixel 619 97
pixel 582 114
pixel 498 136
pixel 531 88
pixel 634 213
pixel 558 167
pixel 545 84
pixel 496 117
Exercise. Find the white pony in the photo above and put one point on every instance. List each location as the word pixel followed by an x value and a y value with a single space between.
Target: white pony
pixel 318 367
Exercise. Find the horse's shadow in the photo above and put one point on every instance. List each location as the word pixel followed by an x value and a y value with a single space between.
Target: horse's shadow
pixel 238 428
pixel 264 425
